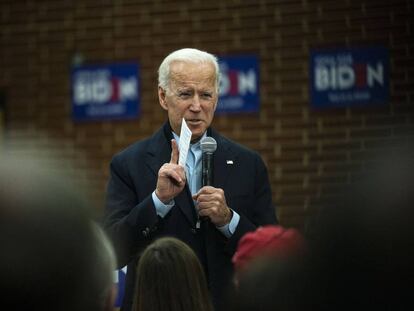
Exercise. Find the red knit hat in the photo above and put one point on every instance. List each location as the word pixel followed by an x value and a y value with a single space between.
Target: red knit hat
pixel 270 240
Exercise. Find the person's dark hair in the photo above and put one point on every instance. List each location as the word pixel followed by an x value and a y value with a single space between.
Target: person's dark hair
pixel 170 278
pixel 53 256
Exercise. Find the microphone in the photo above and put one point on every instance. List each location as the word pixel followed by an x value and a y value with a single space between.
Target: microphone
pixel 208 146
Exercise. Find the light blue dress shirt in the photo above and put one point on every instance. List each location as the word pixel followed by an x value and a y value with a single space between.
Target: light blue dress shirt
pixel 193 174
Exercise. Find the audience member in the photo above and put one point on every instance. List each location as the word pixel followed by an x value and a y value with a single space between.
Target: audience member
pixel 53 256
pixel 170 278
pixel 359 254
pixel 362 247
pixel 272 241
pixel 264 260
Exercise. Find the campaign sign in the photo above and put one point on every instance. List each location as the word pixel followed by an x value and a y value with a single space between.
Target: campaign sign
pixel 105 92
pixel 239 84
pixel 349 77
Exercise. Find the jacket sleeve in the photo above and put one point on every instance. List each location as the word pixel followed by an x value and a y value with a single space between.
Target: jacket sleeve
pixel 129 220
pixel 261 212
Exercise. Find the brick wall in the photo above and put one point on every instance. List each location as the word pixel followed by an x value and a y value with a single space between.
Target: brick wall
pixel 309 153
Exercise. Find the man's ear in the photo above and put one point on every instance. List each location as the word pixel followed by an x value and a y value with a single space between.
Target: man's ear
pixel 162 97
pixel 215 105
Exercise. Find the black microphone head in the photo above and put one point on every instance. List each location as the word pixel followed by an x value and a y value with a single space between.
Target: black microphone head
pixel 208 144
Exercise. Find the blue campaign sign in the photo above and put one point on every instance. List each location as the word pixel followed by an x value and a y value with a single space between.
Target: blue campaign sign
pixel 349 77
pixel 239 84
pixel 102 92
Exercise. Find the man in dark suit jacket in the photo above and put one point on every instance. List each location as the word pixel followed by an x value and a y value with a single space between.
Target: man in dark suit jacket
pixel 149 195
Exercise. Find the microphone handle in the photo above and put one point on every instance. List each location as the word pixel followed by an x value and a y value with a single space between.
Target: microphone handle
pixel 207 169
pixel 206 174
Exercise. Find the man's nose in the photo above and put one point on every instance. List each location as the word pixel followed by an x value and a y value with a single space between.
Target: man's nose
pixel 195 105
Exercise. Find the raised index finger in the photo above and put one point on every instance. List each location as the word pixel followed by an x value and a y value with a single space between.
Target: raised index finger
pixel 174 153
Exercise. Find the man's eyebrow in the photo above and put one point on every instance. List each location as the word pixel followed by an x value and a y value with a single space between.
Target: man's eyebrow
pixel 184 89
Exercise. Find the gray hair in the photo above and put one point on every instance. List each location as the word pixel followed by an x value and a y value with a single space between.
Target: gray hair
pixel 185 55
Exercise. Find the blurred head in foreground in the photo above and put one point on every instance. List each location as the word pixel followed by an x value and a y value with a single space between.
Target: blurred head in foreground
pixel 169 268
pixel 265 260
pixel 53 256
pixel 362 246
pixel 271 241
pixel 360 252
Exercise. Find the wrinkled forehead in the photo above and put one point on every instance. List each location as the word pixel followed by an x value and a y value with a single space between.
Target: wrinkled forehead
pixel 193 73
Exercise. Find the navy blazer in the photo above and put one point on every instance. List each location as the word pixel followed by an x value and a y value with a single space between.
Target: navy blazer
pixel 132 222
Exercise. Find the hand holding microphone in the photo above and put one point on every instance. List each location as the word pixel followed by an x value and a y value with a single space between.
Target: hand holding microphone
pixel 211 202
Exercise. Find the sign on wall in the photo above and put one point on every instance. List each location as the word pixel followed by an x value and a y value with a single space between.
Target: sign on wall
pixel 349 77
pixel 105 91
pixel 239 84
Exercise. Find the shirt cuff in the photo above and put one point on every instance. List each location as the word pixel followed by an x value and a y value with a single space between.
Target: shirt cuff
pixel 229 228
pixel 161 208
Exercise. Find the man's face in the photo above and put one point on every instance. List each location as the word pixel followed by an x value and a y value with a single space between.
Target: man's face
pixel 192 95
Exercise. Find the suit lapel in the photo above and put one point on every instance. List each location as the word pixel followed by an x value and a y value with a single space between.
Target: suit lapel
pixel 224 158
pixel 159 153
